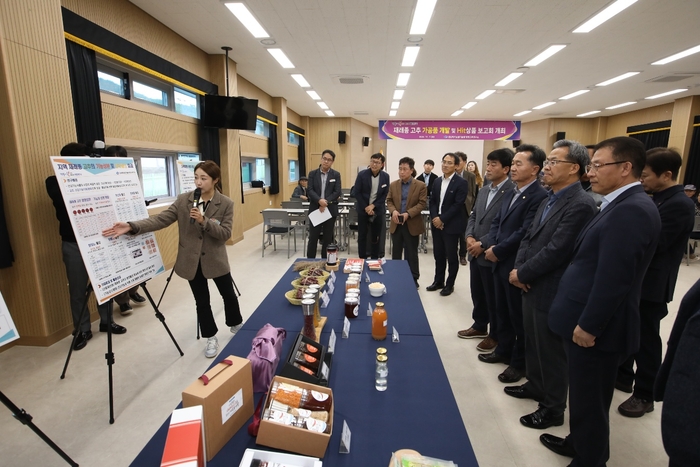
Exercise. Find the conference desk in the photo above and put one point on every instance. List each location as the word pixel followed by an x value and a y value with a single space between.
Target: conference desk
pixel 418 411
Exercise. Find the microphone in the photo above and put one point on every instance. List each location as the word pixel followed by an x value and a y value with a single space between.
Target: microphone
pixel 197 195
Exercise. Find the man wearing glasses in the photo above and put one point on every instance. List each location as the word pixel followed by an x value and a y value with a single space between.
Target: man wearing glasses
pixel 596 308
pixel 371 188
pixel 323 192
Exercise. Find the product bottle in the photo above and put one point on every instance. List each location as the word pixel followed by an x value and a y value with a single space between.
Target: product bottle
pixel 332 254
pixel 379 322
pixel 307 306
pixel 381 373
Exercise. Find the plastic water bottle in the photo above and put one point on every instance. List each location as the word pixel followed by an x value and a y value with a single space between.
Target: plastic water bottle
pixel 381 373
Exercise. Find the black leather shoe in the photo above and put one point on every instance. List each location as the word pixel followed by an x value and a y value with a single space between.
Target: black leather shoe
pixel 520 392
pixel 561 446
pixel 116 329
pixel 493 357
pixel 125 309
pixel 510 375
pixel 447 291
pixel 542 418
pixel 137 297
pixel 435 286
pixel 417 285
pixel 81 341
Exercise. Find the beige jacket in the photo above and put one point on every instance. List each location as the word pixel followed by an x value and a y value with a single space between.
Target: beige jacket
pixel 416 202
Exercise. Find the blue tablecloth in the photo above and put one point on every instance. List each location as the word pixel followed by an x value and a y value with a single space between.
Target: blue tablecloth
pixel 418 411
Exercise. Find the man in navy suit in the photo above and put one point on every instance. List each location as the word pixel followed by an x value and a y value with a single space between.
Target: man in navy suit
pixel 596 308
pixel 428 177
pixel 371 188
pixel 677 212
pixel 323 192
pixel 507 230
pixel 448 216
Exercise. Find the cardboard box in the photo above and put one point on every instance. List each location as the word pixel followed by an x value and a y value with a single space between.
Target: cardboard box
pixel 323 360
pixel 227 400
pixel 184 446
pixel 293 439
pixel 284 459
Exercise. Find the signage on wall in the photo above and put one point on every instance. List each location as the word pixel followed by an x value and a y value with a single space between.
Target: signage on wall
pixel 450 129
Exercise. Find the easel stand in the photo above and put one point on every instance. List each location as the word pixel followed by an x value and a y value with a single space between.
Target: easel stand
pixel 25 419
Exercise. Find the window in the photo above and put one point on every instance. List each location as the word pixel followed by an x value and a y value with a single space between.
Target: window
pixel 293 175
pixel 154 176
pixel 158 171
pixel 150 94
pixel 186 103
pixel 255 168
pixel 111 81
pixel 262 128
pixel 292 138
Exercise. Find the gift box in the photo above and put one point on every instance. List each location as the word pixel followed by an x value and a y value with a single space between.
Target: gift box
pixel 184 446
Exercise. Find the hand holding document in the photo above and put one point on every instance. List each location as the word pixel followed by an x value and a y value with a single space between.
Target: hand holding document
pixel 317 217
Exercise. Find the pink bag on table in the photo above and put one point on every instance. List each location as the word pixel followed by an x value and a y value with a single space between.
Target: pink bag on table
pixel 265 355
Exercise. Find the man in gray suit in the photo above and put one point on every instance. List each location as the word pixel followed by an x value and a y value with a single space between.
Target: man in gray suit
pixel 544 254
pixel 488 202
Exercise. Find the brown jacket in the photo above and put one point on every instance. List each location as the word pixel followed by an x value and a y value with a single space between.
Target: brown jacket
pixel 417 201
pixel 473 190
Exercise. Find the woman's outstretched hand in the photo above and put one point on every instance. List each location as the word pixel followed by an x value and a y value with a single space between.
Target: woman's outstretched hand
pixel 116 230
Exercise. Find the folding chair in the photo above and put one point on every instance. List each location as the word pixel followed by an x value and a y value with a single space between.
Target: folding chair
pixel 277 223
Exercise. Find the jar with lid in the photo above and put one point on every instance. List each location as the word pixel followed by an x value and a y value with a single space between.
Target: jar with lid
pixel 379 322
pixel 307 306
pixel 316 290
pixel 351 284
pixel 381 373
pixel 332 254
pixel 352 304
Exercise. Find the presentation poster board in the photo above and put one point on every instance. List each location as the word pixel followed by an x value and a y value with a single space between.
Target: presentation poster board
pixel 97 193
pixel 8 331
pixel 185 172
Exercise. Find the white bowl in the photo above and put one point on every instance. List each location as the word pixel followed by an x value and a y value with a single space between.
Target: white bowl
pixel 377 291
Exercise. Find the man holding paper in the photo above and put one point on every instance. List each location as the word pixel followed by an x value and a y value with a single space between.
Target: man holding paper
pixel 324 191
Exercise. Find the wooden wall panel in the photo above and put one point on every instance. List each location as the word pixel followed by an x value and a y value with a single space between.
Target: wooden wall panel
pixel 249 90
pixel 34 24
pixel 253 145
pixel 359 154
pixel 323 134
pixel 617 124
pixel 122 122
pixel 294 118
pixel 576 129
pixel 255 202
pixel 536 132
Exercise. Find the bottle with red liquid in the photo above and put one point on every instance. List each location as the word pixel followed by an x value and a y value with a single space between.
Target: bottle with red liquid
pixel 307 306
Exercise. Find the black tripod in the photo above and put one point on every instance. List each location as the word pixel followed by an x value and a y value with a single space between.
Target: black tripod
pixel 109 356
pixel 25 419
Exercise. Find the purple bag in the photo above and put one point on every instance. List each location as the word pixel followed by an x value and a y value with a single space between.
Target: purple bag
pixel 265 355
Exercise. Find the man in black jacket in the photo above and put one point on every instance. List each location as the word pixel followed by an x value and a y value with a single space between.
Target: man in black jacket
pixel 428 177
pixel 323 192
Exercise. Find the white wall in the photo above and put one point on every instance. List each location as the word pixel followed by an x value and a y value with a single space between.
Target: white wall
pixel 420 150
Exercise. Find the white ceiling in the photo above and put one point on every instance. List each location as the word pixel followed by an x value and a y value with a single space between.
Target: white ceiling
pixel 469 46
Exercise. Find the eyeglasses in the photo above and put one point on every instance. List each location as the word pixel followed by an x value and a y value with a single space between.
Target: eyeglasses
pixel 596 166
pixel 327 159
pixel 554 162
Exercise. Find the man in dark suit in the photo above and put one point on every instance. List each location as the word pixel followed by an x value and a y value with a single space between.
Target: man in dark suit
pixel 428 177
pixel 468 203
pixel 677 212
pixel 596 308
pixel 487 205
pixel 507 230
pixel 449 219
pixel 371 188
pixel 406 199
pixel 542 258
pixel 323 192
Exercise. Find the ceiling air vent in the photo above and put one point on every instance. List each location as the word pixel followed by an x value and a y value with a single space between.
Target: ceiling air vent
pixel 350 79
pixel 672 77
pixel 360 113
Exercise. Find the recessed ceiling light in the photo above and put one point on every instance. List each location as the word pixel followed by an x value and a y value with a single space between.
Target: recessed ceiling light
pixel 241 12
pixel 604 15
pixel 542 106
pixel 323 105
pixel 398 94
pixel 485 94
pixel 421 16
pixel 403 79
pixel 414 39
pixel 314 95
pixel 281 58
pixel 675 91
pixel 524 112
pixel 392 113
pixel 301 81
pixel 508 79
pixel 589 113
pixel 551 50
pixel 574 94
pixel 678 56
pixel 619 105
pixel 330 113
pixel 469 105
pixel 395 105
pixel 618 78
pixel 456 113
pixel 410 54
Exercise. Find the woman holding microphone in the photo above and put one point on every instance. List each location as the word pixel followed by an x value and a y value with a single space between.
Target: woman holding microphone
pixel 205 218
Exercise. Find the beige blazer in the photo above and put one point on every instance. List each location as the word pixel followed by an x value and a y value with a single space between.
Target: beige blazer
pixel 205 243
pixel 417 201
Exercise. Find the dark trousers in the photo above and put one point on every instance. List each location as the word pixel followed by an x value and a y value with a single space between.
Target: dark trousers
pixel 200 290
pixel 462 246
pixel 375 227
pixel 480 310
pixel 486 276
pixel 445 253
pixel 592 376
pixel 404 242
pixel 648 357
pixel 545 358
pixel 314 232
pixel 509 311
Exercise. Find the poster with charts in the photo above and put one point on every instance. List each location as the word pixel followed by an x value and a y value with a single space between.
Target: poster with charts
pixel 97 192
pixel 185 171
pixel 8 331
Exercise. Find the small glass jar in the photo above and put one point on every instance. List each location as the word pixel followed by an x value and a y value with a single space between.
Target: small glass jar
pixel 352 304
pixel 379 322
pixel 381 373
pixel 355 291
pixel 349 284
pixel 381 351
pixel 332 254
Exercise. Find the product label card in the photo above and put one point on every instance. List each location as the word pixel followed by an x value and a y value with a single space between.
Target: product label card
pixel 330 288
pixel 324 371
pixel 345 437
pixel 367 277
pixel 332 279
pixel 346 328
pixel 231 406
pixel 325 299
pixel 8 331
pixel 394 335
pixel 369 309
pixel 331 342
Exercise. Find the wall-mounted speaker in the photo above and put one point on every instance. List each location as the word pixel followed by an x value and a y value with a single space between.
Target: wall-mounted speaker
pixel 516 143
pixel 341 137
pixel 560 135
pixel 365 141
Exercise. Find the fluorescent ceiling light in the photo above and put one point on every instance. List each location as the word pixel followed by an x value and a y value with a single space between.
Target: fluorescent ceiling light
pixel 403 79
pixel 456 113
pixel 469 105
pixel 485 94
pixel 330 113
pixel 619 105
pixel 421 16
pixel 398 94
pixel 618 78
pixel 410 54
pixel 524 112
pixel 314 95
pixel 604 15
pixel 301 81
pixel 574 94
pixel 392 113
pixel 281 58
pixel 395 105
pixel 678 56
pixel 508 79
pixel 323 105
pixel 542 106
pixel 551 50
pixel 675 91
pixel 589 113
pixel 247 19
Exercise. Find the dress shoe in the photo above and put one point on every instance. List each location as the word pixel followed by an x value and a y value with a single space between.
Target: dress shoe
pixel 520 392
pixel 137 297
pixel 542 418
pixel 447 290
pixel 561 446
pixel 463 260
pixel 82 339
pixel 493 357
pixel 435 286
pixel 634 407
pixel 417 285
pixel 472 333
pixel 487 345
pixel 125 309
pixel 116 329
pixel 620 386
pixel 510 375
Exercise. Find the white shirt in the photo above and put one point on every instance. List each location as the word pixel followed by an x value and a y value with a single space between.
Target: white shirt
pixel 610 197
pixel 443 189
